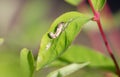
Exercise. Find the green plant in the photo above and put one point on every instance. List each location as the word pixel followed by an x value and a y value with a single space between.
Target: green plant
pixel 55 45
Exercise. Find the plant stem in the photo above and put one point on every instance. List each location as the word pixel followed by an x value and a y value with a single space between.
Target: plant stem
pixel 108 47
pixel 97 19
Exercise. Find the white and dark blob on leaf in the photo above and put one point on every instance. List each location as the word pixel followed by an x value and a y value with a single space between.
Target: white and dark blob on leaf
pixel 58 31
pixel 61 26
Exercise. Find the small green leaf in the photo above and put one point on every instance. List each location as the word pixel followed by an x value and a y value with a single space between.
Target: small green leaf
pixel 80 54
pixel 1 41
pixel 27 62
pixel 67 70
pixel 98 4
pixel 50 47
pixel 74 2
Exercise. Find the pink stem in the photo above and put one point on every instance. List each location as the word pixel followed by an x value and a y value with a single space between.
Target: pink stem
pixel 97 19
pixel 92 7
pixel 108 47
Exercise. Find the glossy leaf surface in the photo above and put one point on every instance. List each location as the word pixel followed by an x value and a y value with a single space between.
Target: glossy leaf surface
pixel 74 2
pixel 80 54
pixel 67 70
pixel 98 4
pixel 27 62
pixel 51 48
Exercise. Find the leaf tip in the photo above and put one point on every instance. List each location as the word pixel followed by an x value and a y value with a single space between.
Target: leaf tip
pixel 27 61
pixel 24 50
pixel 74 2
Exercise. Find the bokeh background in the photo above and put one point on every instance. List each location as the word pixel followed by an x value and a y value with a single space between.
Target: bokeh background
pixel 23 22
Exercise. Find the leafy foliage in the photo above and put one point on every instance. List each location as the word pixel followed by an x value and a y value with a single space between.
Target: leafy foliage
pixel 74 2
pixel 98 4
pixel 67 70
pixel 50 48
pixel 27 62
pixel 53 45
pixel 80 54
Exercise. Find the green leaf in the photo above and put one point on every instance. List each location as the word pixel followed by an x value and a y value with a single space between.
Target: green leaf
pixel 50 48
pixel 67 70
pixel 80 54
pixel 27 62
pixel 74 2
pixel 98 4
pixel 1 41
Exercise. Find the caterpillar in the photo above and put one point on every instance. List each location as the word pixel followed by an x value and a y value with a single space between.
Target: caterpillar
pixel 58 30
pixel 61 26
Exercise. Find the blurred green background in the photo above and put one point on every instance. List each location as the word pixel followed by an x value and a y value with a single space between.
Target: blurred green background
pixel 22 24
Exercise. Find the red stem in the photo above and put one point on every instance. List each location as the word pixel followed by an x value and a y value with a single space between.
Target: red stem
pixel 108 47
pixel 97 19
pixel 92 7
